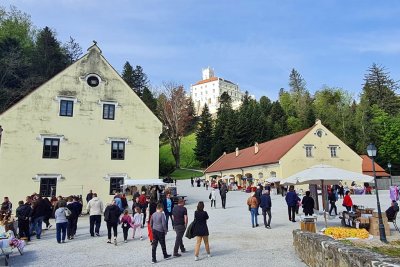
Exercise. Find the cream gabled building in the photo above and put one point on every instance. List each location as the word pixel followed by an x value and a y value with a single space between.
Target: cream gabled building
pixel 83 129
pixel 287 155
pixel 209 90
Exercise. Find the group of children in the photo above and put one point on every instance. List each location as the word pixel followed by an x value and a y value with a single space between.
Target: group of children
pixel 136 223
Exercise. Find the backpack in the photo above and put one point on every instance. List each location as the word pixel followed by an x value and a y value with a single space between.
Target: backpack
pixel 67 212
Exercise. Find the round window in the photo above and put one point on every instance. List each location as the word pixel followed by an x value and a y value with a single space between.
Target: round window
pixel 93 81
pixel 319 133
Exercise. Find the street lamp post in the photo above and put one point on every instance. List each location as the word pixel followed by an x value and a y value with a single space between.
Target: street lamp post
pixel 371 150
pixel 390 171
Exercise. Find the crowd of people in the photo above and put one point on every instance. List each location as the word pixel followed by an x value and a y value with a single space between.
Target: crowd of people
pixel 155 207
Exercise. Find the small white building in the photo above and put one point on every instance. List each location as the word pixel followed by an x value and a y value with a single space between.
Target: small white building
pixel 210 88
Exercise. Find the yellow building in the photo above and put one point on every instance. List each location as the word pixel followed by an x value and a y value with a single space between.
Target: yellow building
pixel 83 129
pixel 287 155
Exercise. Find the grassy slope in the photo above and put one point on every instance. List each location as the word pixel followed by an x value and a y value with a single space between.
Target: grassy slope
pixel 188 159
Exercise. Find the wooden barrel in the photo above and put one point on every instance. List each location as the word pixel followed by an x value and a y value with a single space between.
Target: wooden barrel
pixel 308 227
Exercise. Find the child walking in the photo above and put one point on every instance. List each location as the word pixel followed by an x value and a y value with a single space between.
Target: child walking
pixel 138 222
pixel 126 223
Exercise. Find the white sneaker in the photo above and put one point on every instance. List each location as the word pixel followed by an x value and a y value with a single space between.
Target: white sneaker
pixel 141 238
pixel 196 258
pixel 125 241
pixel 208 255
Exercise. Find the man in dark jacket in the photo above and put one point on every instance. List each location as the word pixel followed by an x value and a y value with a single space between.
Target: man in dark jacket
pixel 222 191
pixel 332 200
pixel 23 212
pixel 266 208
pixel 76 209
pixel 291 201
pixel 39 211
pixel 111 216
pixel 258 194
pixel 89 196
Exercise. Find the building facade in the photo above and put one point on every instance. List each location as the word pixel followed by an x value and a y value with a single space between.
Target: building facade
pixel 209 90
pixel 287 155
pixel 84 129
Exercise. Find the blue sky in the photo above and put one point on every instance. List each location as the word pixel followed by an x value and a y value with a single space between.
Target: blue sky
pixel 252 43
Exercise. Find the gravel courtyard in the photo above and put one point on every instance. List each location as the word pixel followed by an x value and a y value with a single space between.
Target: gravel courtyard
pixel 232 239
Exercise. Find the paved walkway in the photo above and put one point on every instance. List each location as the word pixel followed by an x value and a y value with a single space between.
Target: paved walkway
pixel 233 241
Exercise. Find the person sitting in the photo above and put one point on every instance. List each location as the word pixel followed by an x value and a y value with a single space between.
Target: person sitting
pixel 391 211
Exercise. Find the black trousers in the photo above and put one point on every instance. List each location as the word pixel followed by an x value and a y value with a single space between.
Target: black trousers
pixel 23 227
pixel 291 212
pixel 72 225
pixel 144 215
pixel 223 200
pixel 94 220
pixel 266 211
pixel 125 231
pixel 180 231
pixel 213 202
pixel 333 206
pixel 114 227
pixel 158 237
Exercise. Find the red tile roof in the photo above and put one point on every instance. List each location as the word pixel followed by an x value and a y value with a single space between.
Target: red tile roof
pixel 367 168
pixel 207 80
pixel 268 152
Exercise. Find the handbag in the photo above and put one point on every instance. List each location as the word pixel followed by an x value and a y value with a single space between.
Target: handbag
pixel 189 230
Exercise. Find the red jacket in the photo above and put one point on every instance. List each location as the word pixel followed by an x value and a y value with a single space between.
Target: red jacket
pixel 347 201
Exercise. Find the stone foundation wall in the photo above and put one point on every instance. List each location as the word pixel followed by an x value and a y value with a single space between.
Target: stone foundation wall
pixel 317 250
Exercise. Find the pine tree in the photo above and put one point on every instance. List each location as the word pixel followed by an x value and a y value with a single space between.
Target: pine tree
pixel 72 50
pixel 204 139
pixel 49 57
pixel 140 80
pixel 128 75
pixel 380 89
pixel 278 118
pixel 149 100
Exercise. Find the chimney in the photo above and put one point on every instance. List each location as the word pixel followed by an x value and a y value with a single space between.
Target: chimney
pixel 237 151
pixel 255 148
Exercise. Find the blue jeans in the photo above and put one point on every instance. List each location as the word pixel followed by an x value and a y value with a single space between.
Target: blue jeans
pixel 61 227
pixel 253 212
pixel 36 226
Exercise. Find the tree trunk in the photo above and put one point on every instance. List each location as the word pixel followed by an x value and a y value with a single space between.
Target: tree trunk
pixel 175 148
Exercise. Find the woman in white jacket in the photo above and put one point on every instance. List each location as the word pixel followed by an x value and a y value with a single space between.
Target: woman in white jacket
pixel 213 197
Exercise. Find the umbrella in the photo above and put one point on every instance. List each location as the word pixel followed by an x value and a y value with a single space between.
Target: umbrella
pixel 273 180
pixel 325 175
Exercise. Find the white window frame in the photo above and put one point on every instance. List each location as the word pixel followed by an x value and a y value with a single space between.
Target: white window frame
pixel 335 149
pixel 309 152
pixel 39 176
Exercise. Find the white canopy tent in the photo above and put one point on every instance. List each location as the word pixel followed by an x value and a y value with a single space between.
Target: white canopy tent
pixel 325 175
pixel 132 182
pixel 273 180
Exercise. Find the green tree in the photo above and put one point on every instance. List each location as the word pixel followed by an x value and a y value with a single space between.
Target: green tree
pixel 380 89
pixel 279 120
pixel 128 75
pixel 204 139
pixel 149 99
pixel 72 50
pixel 140 80
pixel 300 99
pixel 49 57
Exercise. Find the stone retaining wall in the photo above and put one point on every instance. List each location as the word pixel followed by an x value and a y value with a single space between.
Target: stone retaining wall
pixel 322 251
